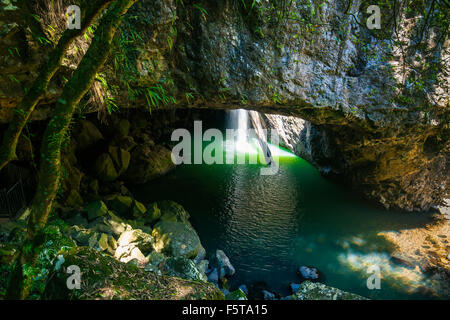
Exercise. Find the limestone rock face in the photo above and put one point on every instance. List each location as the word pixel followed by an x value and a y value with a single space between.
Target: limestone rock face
pixel 377 119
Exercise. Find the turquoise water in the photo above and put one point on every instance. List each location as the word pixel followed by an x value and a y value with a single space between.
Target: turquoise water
pixel 271 225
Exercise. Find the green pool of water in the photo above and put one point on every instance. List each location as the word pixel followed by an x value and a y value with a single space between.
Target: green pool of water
pixel 271 225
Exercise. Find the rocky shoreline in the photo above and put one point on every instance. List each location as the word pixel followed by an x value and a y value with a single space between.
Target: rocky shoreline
pixel 120 243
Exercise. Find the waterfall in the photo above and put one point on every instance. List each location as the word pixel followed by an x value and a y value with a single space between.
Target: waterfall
pixel 239 119
pixel 241 123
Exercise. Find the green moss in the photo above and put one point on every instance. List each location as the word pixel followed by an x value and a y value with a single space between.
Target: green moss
pixel 105 278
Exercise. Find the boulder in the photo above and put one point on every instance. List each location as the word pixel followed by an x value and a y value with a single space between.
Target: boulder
pixel 236 295
pixel 182 267
pixel 308 273
pixel 138 238
pixel 83 237
pixel 77 219
pixel 129 252
pixel 120 158
pixel 244 288
pixel 176 239
pixel 268 295
pixel 294 287
pixel 222 263
pixel 200 257
pixel 154 260
pixel 121 205
pixel 103 243
pixel 87 134
pixel 213 276
pixel 104 168
pixel 317 291
pixel 153 213
pixel 172 211
pixel 148 163
pixel 202 266
pixel 139 210
pixel 109 224
pixel 123 128
pixel 95 209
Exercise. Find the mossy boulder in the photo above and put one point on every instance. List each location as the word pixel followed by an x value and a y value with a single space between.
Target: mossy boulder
pixel 109 224
pixel 122 205
pixel 138 238
pixel 104 168
pixel 154 260
pixel 176 239
pixel 148 163
pixel 153 213
pixel 182 267
pixel 95 209
pixel 123 128
pixel 103 277
pixel 87 134
pixel 317 291
pixel 172 211
pixel 125 206
pixel 121 159
pixel 84 237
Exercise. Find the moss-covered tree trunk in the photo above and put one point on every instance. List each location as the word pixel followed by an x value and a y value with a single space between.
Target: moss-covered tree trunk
pixel 50 164
pixel 89 11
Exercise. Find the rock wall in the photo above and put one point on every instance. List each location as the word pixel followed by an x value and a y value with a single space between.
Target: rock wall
pixel 380 116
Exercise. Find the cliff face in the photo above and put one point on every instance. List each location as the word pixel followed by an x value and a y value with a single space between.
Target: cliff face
pixel 374 105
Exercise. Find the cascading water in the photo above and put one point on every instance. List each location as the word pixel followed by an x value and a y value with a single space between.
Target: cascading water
pixel 252 142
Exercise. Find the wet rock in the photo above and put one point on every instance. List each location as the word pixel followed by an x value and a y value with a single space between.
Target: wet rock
pixel 201 255
pixel 244 288
pixel 268 295
pixel 176 239
pixel 294 287
pixel 317 291
pixel 181 267
pixel 236 295
pixel 213 276
pixel 222 263
pixel 308 273
pixel 202 266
